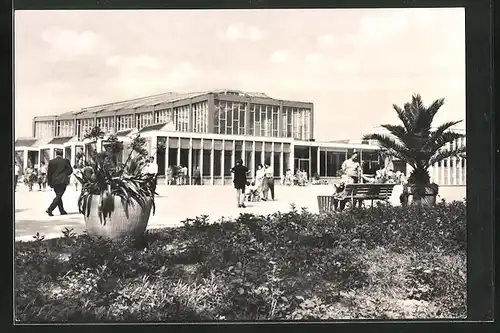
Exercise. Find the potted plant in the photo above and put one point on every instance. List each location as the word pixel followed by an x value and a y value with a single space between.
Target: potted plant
pixel 417 144
pixel 117 199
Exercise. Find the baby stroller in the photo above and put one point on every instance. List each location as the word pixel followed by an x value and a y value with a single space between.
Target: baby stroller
pixel 252 194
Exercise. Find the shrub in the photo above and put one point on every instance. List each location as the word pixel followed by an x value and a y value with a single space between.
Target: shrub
pixel 293 265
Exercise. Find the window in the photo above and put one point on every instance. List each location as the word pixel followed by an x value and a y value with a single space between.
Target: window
pixel 124 122
pixel 242 114
pixel 200 115
pixel 275 110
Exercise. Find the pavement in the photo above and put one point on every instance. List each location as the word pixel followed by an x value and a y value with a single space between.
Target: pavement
pixel 173 205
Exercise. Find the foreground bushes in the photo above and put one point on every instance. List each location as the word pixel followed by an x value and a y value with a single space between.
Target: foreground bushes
pixel 383 262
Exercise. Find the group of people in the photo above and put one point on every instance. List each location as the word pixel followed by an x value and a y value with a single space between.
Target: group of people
pixel 352 174
pixel 300 178
pixel 256 190
pixel 179 175
pixel 31 176
pixel 56 175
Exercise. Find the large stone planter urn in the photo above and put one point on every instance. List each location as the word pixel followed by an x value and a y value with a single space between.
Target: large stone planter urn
pixel 425 199
pixel 116 224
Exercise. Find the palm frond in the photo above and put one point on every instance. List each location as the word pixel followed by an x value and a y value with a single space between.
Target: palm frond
pixel 434 107
pixel 393 147
pixel 443 139
pixel 436 134
pixel 403 117
pixel 444 154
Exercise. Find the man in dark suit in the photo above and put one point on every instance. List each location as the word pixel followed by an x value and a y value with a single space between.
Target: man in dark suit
pixel 58 173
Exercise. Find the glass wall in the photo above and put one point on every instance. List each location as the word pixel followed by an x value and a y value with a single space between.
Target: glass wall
pixel 124 122
pixel 298 122
pixel 44 129
pixel 163 116
pixel 229 117
pixel 143 119
pixel 330 162
pixel 106 124
pixel 64 128
pixel 263 120
pixel 181 118
pixel 87 125
pixel 200 117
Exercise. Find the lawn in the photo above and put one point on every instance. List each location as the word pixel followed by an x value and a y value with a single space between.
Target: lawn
pixel 382 262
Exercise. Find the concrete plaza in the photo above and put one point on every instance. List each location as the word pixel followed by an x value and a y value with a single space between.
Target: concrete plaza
pixel 174 204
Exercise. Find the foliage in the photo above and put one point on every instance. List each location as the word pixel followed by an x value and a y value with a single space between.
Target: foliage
pixel 109 179
pixel 384 262
pixel 415 142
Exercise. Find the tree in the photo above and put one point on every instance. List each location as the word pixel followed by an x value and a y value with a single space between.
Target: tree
pixel 416 143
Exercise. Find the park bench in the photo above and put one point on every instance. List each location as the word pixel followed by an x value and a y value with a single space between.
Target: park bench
pixel 357 192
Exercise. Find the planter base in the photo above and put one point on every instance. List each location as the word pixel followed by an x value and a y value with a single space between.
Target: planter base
pixel 118 225
pixel 428 199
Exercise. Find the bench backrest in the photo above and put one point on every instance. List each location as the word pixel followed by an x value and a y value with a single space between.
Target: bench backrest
pixel 382 190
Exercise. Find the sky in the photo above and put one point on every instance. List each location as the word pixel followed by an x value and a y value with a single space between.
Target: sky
pixel 352 64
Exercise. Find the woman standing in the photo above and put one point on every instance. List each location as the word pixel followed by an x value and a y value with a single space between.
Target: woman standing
pixel 28 177
pixel 259 178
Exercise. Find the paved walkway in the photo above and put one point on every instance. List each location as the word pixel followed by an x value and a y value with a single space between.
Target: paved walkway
pixel 174 204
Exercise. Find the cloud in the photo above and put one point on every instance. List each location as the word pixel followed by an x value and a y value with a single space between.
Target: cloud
pixel 314 58
pixel 140 61
pixel 241 31
pixel 66 44
pixel 327 40
pixel 279 56
pixel 383 27
pixel 171 78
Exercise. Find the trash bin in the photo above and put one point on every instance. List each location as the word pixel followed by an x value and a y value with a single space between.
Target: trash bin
pixel 325 203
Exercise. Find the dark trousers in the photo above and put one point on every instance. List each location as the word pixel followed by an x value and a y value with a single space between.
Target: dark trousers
pixel 197 180
pixel 57 202
pixel 268 186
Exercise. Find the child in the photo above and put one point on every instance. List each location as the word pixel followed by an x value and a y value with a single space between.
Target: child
pixel 338 196
pixel 252 194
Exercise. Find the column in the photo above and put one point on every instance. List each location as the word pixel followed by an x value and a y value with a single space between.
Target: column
pixel 201 161
pixel 25 159
pixel 233 154
pixel 310 163
pixel 179 151
pixel 190 160
pixel 292 157
pixel 253 161
pixel 459 166
pixel 222 157
pixel 212 153
pixel 263 154
pixel 271 162
pixel 318 161
pixel 282 162
pixel 73 154
pixel 244 152
pixel 154 147
pixel 361 164
pixel 455 160
pixel 448 166
pixel 167 151
pixel 51 153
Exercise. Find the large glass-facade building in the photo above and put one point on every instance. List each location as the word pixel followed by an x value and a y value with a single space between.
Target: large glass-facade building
pixel 210 130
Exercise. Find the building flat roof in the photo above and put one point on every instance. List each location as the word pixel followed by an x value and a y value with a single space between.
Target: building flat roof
pixel 153 100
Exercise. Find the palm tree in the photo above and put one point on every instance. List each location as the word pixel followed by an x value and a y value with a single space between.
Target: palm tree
pixel 417 144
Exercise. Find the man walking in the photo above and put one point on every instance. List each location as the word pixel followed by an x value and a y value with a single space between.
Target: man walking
pixel 268 182
pixel 58 173
pixel 240 181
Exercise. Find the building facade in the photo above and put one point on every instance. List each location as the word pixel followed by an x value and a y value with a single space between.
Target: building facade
pixel 210 130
